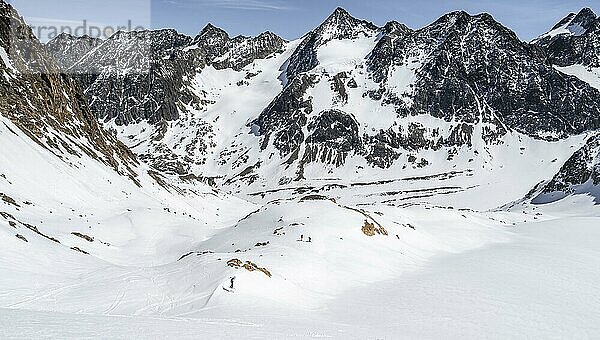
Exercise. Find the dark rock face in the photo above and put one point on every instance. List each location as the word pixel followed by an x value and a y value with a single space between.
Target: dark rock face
pixel 283 119
pixel 472 71
pixel 388 145
pixel 133 76
pixel 49 106
pixel 479 71
pixel 242 51
pixel 576 41
pixel 161 91
pixel 145 76
pixel 339 25
pixel 579 174
pixel 333 136
pixel 67 49
pixel 462 134
pixel 383 57
pixel 381 152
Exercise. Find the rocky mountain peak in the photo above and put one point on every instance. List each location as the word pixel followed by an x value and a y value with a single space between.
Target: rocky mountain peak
pixel 452 19
pixel 117 51
pixel 584 18
pixel 457 21
pixel 339 16
pixel 210 28
pixel 340 13
pixel 456 30
pixel 158 40
pixel 21 45
pixel 564 21
pixel 211 33
pixel 574 24
pixel 574 40
pixel 66 37
pixel 340 25
pixel 4 6
pixel 268 35
pixel 5 16
pixel 242 51
pixel 395 28
pixel 67 49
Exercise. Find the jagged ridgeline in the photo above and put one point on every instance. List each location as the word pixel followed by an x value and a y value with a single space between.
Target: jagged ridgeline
pixel 145 76
pixel 349 89
pixel 67 49
pixel 47 105
pixel 574 40
pixel 465 70
pixel 573 45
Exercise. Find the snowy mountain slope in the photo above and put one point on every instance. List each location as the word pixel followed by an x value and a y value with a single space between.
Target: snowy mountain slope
pixel 589 75
pixel 338 121
pixel 73 199
pixel 200 137
pixel 348 97
pixel 579 175
pixel 328 260
pixel 573 45
pixel 48 106
pixel 73 225
pixel 340 25
pixel 357 192
pixel 540 283
pixel 280 253
pixel 154 81
pixel 62 176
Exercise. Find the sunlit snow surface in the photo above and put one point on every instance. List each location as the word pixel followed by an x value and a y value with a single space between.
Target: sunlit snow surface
pixel 449 251
pixel 6 60
pixel 590 75
pixel 450 266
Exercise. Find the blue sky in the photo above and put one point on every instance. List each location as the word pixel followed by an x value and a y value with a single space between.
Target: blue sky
pixel 292 18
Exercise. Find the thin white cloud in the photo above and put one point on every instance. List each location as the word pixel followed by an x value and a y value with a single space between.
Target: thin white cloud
pixel 261 5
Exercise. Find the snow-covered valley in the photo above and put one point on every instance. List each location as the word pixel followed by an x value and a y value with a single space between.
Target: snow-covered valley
pixel 342 262
pixel 539 281
pixel 360 182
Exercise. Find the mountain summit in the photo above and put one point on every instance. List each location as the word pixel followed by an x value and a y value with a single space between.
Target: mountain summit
pixel 574 24
pixel 342 25
pixel 575 40
pixel 338 26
